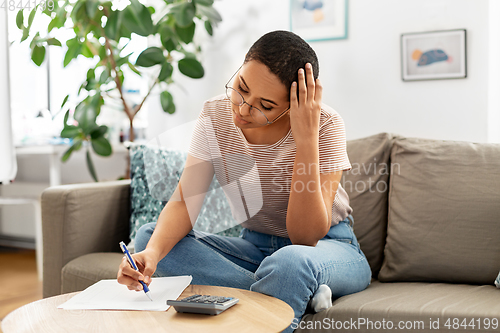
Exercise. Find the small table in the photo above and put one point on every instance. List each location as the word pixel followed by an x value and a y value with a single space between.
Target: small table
pixel 254 312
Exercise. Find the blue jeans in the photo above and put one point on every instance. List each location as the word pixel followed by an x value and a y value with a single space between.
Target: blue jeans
pixel 268 264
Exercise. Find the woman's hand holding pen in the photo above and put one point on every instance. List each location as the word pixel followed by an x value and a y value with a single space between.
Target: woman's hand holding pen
pixel 146 263
pixel 305 106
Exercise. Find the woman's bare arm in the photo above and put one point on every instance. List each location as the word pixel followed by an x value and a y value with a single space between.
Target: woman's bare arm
pixel 174 223
pixel 179 215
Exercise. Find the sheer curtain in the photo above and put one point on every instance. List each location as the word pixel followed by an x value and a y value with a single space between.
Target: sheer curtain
pixel 28 85
pixel 8 166
pixel 37 92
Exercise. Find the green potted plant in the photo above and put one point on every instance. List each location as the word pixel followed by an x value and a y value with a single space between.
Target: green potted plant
pixel 101 31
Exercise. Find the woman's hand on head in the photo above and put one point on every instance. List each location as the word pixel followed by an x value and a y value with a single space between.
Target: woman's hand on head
pixel 146 261
pixel 305 106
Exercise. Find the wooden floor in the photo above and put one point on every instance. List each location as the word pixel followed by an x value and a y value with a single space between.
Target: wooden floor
pixel 19 282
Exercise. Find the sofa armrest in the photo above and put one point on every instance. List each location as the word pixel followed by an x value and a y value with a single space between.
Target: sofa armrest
pixel 80 219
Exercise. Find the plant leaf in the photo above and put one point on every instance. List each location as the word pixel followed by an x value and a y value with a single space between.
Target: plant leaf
pixel 91 7
pixel 99 132
pixel 124 31
pixel 166 32
pixel 26 34
pixel 79 12
pixel 90 166
pixel 85 50
pixel 52 24
pixel 112 24
pixel 102 53
pixel 205 2
pixel 184 13
pixel 36 39
pixel 57 22
pixel 208 27
pixel 188 54
pixel 86 116
pixel 102 146
pixel 96 102
pixel 124 60
pixel 136 18
pixel 134 69
pixel 166 71
pixel 38 54
pixel 167 102
pixel 90 74
pixel 20 19
pixel 167 36
pixel 121 77
pixel 70 131
pixel 74 48
pixel 150 57
pixel 67 154
pixel 211 13
pixel 171 45
pixel 191 67
pixel 104 76
pixel 77 144
pixel 64 101
pixel 66 116
pixel 54 41
pixel 90 84
pixel 31 17
pixel 186 34
pixel 52 7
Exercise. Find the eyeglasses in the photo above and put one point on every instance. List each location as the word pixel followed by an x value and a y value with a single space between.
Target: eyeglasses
pixel 237 99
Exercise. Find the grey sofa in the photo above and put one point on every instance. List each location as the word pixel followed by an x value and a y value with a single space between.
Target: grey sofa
pixel 426 214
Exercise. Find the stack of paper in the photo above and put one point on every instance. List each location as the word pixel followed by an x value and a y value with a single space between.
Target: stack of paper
pixel 110 295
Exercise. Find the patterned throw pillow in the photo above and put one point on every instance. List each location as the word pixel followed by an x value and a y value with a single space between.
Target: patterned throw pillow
pixel 155 173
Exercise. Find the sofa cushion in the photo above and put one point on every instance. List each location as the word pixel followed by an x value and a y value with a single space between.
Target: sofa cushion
pixel 88 269
pixel 444 212
pixel 144 208
pixel 415 304
pixel 367 186
pixel 155 173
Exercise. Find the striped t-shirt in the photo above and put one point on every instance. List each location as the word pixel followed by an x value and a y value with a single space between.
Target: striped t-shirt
pixel 256 178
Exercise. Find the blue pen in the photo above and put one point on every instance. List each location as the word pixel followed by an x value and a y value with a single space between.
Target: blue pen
pixel 134 266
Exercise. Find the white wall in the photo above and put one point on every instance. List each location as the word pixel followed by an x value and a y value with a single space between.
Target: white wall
pixel 494 70
pixel 361 75
pixel 364 73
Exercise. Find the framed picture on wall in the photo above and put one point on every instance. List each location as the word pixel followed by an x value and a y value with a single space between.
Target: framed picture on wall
pixel 318 20
pixel 434 55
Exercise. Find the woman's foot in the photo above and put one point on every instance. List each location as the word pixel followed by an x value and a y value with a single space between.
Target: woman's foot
pixel 322 299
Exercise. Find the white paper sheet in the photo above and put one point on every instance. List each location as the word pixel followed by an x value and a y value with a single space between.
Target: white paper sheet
pixel 110 295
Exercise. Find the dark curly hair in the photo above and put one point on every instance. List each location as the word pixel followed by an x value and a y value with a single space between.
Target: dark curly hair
pixel 283 52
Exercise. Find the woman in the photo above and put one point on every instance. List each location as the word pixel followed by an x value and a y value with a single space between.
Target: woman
pixel 279 154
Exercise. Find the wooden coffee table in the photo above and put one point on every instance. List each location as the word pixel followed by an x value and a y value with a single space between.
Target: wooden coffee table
pixel 254 312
